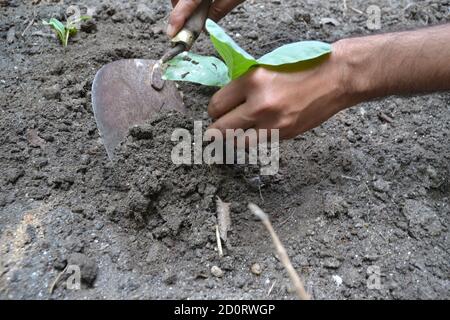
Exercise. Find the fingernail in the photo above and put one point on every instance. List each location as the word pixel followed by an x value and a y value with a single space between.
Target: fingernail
pixel 170 31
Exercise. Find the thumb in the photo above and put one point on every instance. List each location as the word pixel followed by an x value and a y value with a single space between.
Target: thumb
pixel 182 11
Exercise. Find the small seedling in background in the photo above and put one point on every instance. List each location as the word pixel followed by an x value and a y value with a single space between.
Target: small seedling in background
pixel 70 29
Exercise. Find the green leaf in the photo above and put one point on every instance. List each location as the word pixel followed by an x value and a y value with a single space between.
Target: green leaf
pixel 236 58
pixel 85 18
pixel 192 67
pixel 213 72
pixel 295 52
pixel 239 61
pixel 56 25
pixel 66 39
pixel 59 29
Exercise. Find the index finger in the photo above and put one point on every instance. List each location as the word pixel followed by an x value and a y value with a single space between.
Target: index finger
pixel 228 98
pixel 238 118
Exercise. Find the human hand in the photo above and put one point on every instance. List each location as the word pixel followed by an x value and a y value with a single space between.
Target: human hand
pixel 183 9
pixel 357 70
pixel 291 101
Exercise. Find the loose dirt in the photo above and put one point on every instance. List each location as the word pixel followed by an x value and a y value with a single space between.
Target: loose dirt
pixel 362 197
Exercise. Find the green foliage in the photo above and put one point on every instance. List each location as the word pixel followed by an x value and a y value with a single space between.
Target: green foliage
pixel 64 32
pixel 295 52
pixel 192 67
pixel 237 60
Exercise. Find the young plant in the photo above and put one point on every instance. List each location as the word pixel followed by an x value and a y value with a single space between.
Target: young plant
pixel 64 32
pixel 212 71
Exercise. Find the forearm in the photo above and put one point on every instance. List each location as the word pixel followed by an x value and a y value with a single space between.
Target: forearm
pixel 396 64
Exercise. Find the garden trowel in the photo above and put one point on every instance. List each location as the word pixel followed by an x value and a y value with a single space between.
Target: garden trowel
pixel 127 93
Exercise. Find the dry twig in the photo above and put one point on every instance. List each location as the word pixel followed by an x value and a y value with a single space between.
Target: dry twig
pixel 58 277
pixel 219 242
pixel 223 218
pixel 281 251
pixel 271 288
pixel 384 117
pixel 28 27
pixel 356 10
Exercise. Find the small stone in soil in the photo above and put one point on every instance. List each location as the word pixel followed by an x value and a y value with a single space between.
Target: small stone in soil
pixel 33 138
pixel 252 35
pixel 256 269
pixel 381 186
pixel 217 272
pixel 78 209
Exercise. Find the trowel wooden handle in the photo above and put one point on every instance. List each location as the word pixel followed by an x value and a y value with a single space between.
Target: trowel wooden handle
pixel 194 25
pixel 197 21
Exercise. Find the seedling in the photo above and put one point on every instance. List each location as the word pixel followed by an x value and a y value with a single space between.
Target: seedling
pixel 64 32
pixel 236 62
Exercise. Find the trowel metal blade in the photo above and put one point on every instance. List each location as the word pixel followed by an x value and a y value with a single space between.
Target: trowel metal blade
pixel 123 96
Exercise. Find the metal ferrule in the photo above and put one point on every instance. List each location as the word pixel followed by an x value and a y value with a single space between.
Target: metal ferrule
pixel 184 36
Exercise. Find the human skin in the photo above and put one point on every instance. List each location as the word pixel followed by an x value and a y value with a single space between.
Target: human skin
pixel 183 9
pixel 358 69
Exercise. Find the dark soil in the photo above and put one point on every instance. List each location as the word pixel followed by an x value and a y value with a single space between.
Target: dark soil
pixel 370 188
